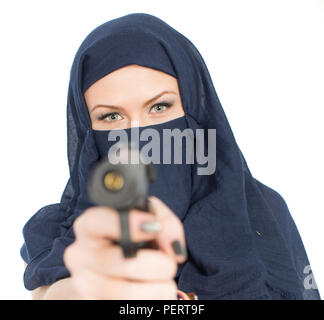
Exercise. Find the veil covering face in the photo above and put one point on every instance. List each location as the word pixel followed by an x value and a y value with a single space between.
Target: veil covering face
pixel 242 241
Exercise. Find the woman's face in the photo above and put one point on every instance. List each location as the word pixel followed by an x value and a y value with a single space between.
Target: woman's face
pixel 133 93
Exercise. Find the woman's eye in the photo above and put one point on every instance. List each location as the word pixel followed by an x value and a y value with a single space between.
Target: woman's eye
pixel 160 107
pixel 110 117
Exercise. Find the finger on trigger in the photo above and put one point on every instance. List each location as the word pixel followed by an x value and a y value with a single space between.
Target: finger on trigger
pixel 102 223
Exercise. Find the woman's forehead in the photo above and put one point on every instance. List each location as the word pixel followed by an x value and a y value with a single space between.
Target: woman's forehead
pixel 134 78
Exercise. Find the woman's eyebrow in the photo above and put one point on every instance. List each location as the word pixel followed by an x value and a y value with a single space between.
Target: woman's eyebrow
pixel 145 104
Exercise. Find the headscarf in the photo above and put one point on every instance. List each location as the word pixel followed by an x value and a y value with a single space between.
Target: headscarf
pixel 242 241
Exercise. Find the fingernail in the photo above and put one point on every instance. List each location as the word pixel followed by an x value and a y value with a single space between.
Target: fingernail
pixel 151 226
pixel 179 249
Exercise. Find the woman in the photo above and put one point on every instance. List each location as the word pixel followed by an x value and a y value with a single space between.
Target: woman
pixel 221 235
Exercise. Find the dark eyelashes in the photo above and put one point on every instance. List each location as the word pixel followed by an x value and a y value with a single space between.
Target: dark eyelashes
pixel 105 115
pixel 162 103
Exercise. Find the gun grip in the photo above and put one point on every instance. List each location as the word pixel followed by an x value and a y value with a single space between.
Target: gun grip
pixel 130 248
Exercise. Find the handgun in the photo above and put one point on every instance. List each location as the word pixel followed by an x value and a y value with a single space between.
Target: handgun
pixel 123 185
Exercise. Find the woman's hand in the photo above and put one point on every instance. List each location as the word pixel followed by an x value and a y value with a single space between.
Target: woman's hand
pixel 100 271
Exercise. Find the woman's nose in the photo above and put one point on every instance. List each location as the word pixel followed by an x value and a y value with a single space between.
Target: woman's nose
pixel 136 121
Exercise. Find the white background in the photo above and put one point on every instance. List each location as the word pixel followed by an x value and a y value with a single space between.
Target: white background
pixel 266 61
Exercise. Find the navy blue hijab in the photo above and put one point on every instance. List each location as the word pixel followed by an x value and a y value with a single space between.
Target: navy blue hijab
pixel 242 241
